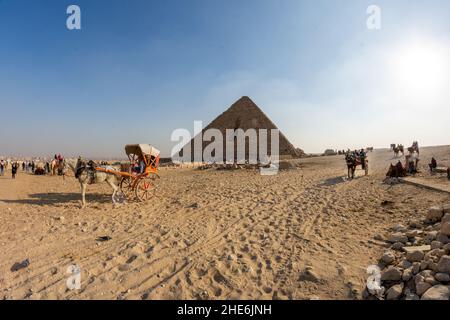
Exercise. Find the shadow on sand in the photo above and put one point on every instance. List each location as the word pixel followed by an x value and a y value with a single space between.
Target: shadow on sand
pixel 337 180
pixel 44 199
pixel 333 181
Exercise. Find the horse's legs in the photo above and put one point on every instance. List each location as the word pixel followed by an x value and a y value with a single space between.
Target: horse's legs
pixel 115 189
pixel 83 194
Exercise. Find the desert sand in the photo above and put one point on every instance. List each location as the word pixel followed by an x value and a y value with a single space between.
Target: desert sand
pixel 302 234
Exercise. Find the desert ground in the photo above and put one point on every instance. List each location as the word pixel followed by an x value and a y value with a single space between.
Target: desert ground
pixel 208 234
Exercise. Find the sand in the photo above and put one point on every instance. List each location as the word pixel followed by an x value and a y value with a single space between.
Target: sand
pixel 207 234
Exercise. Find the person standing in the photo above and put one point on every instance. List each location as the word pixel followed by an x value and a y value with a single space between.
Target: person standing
pixel 362 155
pixel 14 169
pixel 2 168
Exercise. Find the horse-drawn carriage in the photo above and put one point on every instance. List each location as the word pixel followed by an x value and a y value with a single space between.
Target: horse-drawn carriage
pixel 138 179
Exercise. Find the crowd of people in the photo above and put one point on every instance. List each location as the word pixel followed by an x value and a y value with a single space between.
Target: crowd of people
pixel 28 166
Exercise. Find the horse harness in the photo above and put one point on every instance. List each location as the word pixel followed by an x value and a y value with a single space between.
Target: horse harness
pixel 89 167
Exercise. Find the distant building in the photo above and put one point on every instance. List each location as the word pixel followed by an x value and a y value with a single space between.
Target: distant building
pixel 330 152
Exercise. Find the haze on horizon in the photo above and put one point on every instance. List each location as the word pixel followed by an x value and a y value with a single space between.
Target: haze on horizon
pixel 138 70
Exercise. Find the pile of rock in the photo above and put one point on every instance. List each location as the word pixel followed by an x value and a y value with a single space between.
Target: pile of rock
pixel 417 264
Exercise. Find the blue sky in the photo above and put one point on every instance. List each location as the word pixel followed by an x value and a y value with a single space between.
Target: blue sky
pixel 137 70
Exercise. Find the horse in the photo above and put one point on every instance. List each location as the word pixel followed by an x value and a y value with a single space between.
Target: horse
pixel 86 174
pixel 351 165
pixel 393 145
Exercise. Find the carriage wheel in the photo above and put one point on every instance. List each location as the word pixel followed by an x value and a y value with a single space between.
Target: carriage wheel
pixel 145 187
pixel 126 185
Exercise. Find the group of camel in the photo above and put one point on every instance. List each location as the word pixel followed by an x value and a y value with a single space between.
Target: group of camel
pixel 399 148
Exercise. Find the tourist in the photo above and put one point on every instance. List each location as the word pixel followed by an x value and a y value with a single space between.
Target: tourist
pixel 433 165
pixel 2 168
pixel 362 156
pixel 14 169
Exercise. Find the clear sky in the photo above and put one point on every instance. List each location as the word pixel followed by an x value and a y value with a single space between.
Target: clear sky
pixel 137 70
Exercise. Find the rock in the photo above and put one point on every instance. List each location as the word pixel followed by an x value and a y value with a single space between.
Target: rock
pixel 446 217
pixel 431 280
pixel 431 236
pixel 423 265
pixel 395 292
pixel 416 268
pixel 425 248
pixel 444 264
pixel 434 214
pixel 445 228
pixel 378 237
pixel 388 257
pixel 415 256
pixel 446 208
pixel 404 264
pixel 446 248
pixel 442 277
pixel 437 292
pixel 309 275
pixel 432 266
pixel 397 246
pixel 415 224
pixel 422 287
pixel 436 245
pixel 399 228
pixel 398 237
pixel 391 274
pixel 414 233
pixel 412 296
pixel 434 255
pixel 407 275
pixel 427 273
pixel 442 238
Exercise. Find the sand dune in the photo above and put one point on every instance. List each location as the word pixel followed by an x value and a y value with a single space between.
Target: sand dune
pixel 302 234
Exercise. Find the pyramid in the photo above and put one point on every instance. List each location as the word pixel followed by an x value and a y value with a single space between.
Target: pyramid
pixel 245 114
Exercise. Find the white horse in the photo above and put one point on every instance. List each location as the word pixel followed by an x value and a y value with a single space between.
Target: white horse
pixel 82 172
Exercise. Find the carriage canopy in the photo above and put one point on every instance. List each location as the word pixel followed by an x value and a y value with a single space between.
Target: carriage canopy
pixel 141 150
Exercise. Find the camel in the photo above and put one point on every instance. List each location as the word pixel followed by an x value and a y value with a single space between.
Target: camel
pixel 414 147
pixel 87 175
pixel 396 171
pixel 396 151
pixel 401 149
pixel 54 165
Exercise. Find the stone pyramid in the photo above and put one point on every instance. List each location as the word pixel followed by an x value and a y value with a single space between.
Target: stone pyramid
pixel 245 114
